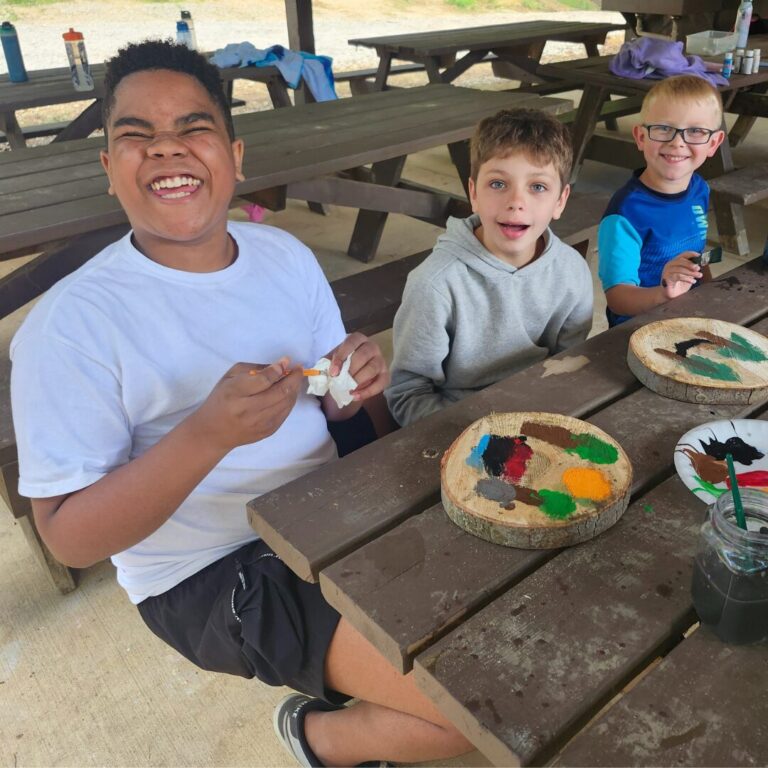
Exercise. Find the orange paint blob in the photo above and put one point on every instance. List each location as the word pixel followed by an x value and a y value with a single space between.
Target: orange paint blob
pixel 583 483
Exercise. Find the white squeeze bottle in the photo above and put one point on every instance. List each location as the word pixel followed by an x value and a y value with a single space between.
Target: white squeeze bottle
pixel 743 20
pixel 187 16
pixel 78 60
pixel 183 37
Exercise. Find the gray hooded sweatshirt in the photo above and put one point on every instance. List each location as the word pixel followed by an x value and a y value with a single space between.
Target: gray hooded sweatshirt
pixel 469 319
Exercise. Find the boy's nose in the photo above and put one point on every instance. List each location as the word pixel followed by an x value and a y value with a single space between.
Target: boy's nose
pixel 165 144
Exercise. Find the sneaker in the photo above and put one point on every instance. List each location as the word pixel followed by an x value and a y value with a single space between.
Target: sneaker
pixel 288 721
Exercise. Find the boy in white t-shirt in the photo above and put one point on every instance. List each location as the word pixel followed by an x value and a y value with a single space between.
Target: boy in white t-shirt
pixel 159 388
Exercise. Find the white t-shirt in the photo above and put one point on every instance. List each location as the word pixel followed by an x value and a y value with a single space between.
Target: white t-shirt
pixel 118 353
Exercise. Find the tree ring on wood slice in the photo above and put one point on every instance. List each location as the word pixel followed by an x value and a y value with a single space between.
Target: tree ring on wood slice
pixel 700 360
pixel 534 480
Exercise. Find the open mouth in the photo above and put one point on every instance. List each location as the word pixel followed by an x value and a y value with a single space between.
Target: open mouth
pixel 512 230
pixel 175 187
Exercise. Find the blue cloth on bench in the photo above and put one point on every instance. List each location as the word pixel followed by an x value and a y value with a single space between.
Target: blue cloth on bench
pixel 293 65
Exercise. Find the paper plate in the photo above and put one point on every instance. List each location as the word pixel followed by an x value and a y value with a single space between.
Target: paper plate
pixel 700 457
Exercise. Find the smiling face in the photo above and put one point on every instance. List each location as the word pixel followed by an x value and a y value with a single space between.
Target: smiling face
pixel 670 164
pixel 173 167
pixel 516 199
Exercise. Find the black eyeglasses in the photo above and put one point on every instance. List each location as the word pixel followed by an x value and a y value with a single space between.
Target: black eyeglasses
pixel 668 133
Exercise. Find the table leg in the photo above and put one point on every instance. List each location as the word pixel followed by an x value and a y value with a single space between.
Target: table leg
pixel 278 92
pixel 729 216
pixel 432 67
pixel 88 121
pixel 382 73
pixel 12 130
pixel 459 152
pixel 370 224
pixel 461 66
pixel 583 127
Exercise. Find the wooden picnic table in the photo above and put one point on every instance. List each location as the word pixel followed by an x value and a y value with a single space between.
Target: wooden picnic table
pixel 520 649
pixel 517 46
pixel 47 87
pixel 744 95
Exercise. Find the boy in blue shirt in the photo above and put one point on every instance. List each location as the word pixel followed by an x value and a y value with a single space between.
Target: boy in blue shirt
pixel 655 226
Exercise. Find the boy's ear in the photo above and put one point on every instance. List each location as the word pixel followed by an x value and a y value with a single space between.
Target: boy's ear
pixel 237 153
pixel 104 157
pixel 563 199
pixel 472 194
pixel 638 134
pixel 715 141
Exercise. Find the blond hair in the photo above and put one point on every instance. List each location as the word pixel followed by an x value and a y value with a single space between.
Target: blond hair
pixel 687 88
pixel 543 138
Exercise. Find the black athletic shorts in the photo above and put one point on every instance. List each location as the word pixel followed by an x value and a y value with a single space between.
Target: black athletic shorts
pixel 248 614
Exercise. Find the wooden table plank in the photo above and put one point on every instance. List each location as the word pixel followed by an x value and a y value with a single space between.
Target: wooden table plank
pixel 419 558
pixel 701 706
pixel 325 515
pixel 327 138
pixel 525 673
pixel 446 41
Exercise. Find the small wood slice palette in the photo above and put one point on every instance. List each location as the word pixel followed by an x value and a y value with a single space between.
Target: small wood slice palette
pixel 535 480
pixel 700 360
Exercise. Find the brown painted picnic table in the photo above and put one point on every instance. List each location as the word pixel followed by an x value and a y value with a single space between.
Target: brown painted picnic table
pixel 744 95
pixel 519 46
pixel 47 87
pixel 522 649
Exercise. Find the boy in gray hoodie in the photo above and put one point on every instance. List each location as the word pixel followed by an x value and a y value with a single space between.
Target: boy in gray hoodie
pixel 499 291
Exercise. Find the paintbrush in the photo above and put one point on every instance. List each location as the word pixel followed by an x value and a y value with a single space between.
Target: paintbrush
pixel 313 372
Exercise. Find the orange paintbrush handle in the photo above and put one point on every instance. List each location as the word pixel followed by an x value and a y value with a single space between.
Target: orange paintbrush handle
pixel 312 372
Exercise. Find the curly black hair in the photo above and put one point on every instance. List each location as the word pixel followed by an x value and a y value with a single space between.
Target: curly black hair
pixel 164 54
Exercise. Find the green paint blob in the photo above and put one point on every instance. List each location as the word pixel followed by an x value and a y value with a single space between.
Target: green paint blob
pixel 591 448
pixel 556 505
pixel 709 368
pixel 648 508
pixel 706 487
pixel 743 350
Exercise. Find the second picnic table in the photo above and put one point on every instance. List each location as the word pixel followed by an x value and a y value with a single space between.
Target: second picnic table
pixel 519 46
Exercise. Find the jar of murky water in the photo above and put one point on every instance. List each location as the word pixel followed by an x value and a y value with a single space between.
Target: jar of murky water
pixel 730 572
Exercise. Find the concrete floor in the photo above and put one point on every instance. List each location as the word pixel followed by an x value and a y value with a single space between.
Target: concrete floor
pixel 82 682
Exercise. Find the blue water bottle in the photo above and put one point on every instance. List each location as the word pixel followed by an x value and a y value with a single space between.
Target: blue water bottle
pixel 12 51
pixel 183 37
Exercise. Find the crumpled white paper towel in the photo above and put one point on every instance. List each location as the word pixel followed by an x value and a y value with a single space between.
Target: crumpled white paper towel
pixel 339 386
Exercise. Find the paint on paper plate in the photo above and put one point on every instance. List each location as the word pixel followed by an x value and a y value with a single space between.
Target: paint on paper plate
pixel 511 464
pixel 700 457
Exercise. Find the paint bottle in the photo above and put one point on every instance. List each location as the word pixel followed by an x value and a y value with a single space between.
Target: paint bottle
pixel 183 37
pixel 747 62
pixel 78 60
pixel 743 20
pixel 738 56
pixel 730 570
pixel 727 64
pixel 756 62
pixel 12 50
pixel 187 16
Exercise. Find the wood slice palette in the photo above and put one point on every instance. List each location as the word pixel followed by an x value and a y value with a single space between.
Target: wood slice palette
pixel 700 360
pixel 534 480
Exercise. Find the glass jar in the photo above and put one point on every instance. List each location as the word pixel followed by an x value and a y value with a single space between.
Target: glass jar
pixel 730 571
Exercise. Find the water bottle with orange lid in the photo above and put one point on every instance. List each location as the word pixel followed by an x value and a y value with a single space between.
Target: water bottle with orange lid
pixel 78 60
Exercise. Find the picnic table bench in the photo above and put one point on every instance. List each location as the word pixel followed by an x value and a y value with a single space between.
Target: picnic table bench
pixel 520 649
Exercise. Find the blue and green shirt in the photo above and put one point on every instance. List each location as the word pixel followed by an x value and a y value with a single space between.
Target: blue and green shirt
pixel 641 230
